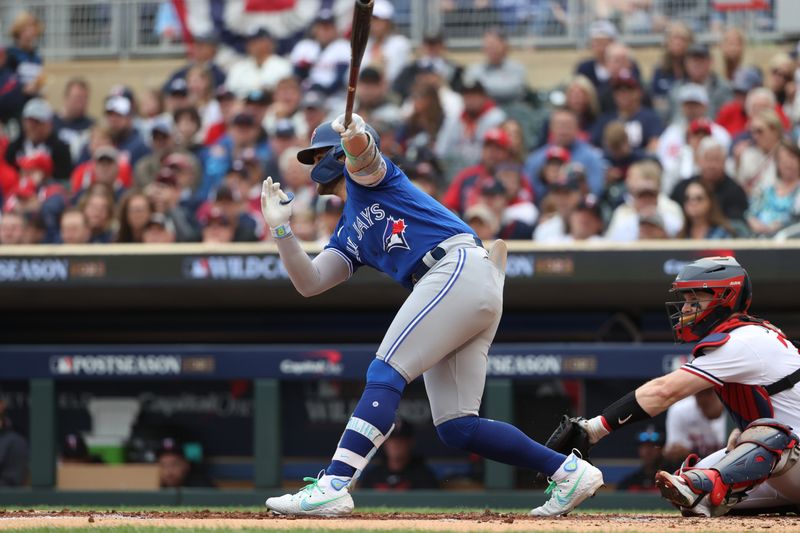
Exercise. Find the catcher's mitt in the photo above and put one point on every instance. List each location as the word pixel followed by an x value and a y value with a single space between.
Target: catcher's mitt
pixel 569 435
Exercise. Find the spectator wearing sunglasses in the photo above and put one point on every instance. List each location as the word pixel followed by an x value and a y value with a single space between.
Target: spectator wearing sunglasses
pixel 651 442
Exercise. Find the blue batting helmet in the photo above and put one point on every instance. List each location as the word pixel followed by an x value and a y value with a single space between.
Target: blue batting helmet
pixel 330 167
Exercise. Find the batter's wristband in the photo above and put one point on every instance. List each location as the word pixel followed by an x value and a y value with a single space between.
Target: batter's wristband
pixel 282 231
pixel 624 411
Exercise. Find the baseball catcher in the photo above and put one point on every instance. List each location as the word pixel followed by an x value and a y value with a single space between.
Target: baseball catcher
pixel 753 368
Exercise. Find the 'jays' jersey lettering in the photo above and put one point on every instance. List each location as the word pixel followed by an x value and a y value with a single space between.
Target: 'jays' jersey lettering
pixel 392 225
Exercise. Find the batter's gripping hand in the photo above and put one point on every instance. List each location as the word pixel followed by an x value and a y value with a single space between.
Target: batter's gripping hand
pixel 275 204
pixel 356 127
pixel 570 434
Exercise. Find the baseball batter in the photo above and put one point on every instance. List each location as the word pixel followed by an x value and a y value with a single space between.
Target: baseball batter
pixel 442 332
pixel 754 370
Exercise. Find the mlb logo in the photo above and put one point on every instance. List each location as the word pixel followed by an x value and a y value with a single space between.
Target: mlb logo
pixel 394 236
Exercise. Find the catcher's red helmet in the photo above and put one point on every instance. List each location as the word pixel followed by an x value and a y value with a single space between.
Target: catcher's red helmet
pixel 719 280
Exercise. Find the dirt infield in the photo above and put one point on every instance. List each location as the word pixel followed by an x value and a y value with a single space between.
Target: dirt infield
pixel 462 522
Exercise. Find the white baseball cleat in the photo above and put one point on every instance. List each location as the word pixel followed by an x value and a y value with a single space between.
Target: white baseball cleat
pixel 573 482
pixel 676 491
pixel 323 496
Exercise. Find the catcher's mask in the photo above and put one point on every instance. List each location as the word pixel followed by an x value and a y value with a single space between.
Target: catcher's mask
pixel 719 287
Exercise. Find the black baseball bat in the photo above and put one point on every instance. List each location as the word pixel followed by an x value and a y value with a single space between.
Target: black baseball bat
pixel 359 33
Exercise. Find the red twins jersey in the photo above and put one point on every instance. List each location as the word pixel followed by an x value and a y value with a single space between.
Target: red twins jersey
pixel 740 363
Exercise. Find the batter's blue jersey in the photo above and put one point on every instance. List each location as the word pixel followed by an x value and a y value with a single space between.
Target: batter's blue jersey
pixel 392 225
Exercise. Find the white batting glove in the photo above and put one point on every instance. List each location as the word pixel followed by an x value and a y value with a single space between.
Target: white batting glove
pixel 357 126
pixel 276 206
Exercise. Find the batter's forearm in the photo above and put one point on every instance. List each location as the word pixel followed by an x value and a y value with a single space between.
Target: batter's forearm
pixel 311 277
pixel 364 161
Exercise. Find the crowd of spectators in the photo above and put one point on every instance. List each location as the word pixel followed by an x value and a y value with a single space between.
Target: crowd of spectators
pixel 689 153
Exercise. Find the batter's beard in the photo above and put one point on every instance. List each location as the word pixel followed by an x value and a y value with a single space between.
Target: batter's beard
pixel 329 188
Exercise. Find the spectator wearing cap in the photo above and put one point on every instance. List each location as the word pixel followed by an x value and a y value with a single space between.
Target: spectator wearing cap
pixel 13 226
pixel 283 139
pixel 38 135
pixel 105 170
pixel 650 448
pixel 84 175
pixel 242 137
pixel 229 106
pixel 562 196
pixel 483 221
pixel 134 212
pixel 231 211
pixel 218 228
pixel 644 196
pixel 699 71
pixel 373 99
pixel 460 145
pixel 176 94
pixel 257 103
pixel 515 222
pixel 237 179
pixel 496 151
pixel 187 129
pixel 431 57
pixel 165 199
pixel 38 194
pixel 202 96
pixel 261 69
pixel 642 124
pixel 201 52
pixel 163 143
pixel 399 468
pixel 386 49
pixel 618 156
pixel 672 68
pixel 187 172
pixel 601 34
pixel 424 171
pixel 24 56
pixel 119 120
pixel 74 227
pixel 158 229
pixel 73 124
pixel 585 222
pixel 286 105
pixel 13 448
pixel 711 172
pixel 651 226
pixel 756 166
pixel 174 470
pixel 618 64
pixel 564 128
pixel 685 164
pixel 97 206
pixel 505 80
pixel 322 60
pixel 694 106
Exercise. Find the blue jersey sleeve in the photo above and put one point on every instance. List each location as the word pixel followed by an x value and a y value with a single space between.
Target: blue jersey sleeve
pixel 346 251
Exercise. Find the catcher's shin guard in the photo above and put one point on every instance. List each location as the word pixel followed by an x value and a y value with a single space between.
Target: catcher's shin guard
pixel 766 448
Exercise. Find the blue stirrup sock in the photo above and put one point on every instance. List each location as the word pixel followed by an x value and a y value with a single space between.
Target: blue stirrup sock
pixel 372 419
pixel 500 442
